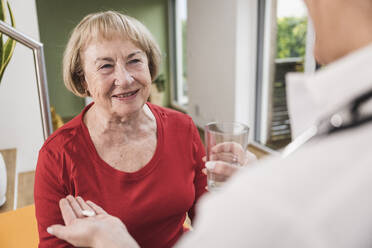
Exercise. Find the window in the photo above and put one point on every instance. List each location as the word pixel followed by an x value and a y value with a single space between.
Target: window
pixel 282 43
pixel 178 63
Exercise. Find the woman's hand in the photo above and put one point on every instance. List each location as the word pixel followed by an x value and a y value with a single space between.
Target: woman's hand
pixel 97 230
pixel 226 158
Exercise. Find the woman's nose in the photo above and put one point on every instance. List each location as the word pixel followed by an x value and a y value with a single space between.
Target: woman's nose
pixel 123 76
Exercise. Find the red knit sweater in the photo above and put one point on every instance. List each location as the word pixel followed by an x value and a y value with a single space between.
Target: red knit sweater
pixel 152 202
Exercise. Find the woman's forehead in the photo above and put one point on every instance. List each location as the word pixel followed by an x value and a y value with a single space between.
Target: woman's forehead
pixel 110 41
pixel 111 48
pixel 97 38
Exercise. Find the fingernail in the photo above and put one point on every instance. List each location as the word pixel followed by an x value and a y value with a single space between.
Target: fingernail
pixel 210 165
pixel 50 230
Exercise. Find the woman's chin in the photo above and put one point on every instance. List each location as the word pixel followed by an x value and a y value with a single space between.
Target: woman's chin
pixel 125 109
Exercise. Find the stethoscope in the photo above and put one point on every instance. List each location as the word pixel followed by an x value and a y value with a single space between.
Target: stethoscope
pixel 347 117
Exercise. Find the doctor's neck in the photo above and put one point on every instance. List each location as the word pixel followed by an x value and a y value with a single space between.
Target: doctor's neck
pixel 341 27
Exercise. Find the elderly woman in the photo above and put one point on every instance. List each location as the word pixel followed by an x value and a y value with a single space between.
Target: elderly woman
pixel 140 162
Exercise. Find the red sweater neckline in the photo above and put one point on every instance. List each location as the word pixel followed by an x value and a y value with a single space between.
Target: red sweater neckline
pixel 105 167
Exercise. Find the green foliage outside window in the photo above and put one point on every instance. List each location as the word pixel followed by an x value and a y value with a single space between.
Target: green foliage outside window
pixel 291 37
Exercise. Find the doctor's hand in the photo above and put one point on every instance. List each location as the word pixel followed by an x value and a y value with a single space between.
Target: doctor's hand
pixel 226 159
pixel 88 225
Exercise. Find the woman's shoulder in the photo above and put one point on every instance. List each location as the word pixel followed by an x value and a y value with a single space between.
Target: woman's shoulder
pixel 63 135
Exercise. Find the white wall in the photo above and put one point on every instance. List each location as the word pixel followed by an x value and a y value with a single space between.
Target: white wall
pixel 20 121
pixel 221 49
pixel 246 61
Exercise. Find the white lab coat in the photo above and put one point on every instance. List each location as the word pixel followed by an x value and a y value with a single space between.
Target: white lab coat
pixel 320 196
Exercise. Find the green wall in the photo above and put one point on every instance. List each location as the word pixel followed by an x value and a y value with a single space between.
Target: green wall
pixel 56 20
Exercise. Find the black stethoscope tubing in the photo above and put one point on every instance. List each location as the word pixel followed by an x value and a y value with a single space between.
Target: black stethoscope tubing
pixel 327 127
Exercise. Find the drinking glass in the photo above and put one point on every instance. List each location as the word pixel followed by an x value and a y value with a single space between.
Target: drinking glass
pixel 226 142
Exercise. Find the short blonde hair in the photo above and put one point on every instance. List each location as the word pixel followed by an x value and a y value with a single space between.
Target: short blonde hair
pixel 106 25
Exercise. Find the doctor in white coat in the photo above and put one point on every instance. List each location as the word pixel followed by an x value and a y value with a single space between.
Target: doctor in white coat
pixel 318 196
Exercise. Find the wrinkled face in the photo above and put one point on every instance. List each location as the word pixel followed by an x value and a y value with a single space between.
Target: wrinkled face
pixel 116 75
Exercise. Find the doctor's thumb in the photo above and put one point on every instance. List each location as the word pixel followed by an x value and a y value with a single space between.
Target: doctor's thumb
pixel 58 230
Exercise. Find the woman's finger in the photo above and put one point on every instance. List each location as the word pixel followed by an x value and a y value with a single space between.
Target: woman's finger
pixel 229 157
pixel 230 146
pixel 230 152
pixel 218 177
pixel 210 166
pixel 220 170
pixel 224 169
pixel 226 157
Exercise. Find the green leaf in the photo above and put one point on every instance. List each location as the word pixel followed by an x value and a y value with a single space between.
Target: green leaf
pixel 1 48
pixel 2 14
pixel 7 54
pixel 11 14
pixel 7 49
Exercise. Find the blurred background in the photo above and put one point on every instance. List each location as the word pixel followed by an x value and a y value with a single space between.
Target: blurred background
pixel 221 60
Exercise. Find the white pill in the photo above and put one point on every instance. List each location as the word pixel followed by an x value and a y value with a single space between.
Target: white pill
pixel 88 213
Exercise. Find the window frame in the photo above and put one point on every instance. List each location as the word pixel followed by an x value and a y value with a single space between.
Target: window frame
pixel 175 61
pixel 264 37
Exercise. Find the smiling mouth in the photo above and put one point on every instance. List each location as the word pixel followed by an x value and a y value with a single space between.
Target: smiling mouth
pixel 125 95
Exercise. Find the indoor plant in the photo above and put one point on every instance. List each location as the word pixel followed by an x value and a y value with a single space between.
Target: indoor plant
pixel 6 52
pixel 157 90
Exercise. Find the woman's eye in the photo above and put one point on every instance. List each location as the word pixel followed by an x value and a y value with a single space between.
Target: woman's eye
pixel 134 61
pixel 106 66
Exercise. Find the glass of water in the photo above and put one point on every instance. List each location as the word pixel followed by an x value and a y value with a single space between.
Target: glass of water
pixel 226 142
